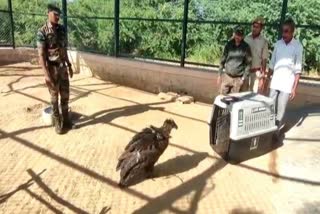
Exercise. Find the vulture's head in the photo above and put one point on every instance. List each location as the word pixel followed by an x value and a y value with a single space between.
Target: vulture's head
pixel 168 125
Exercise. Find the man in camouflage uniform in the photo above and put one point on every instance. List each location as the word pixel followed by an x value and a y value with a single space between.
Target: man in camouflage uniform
pixel 53 57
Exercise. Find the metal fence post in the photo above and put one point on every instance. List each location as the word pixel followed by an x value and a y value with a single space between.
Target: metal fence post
pixel 12 23
pixel 184 32
pixel 65 17
pixel 116 27
pixel 283 15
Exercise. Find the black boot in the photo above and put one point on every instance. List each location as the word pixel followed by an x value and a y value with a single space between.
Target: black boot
pixel 57 124
pixel 56 118
pixel 67 123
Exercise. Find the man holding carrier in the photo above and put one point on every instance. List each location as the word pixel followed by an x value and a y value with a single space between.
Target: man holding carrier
pixel 259 50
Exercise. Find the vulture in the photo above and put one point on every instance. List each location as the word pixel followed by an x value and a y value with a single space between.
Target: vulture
pixel 142 152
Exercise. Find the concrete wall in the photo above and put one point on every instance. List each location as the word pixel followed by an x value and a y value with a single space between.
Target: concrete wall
pixel 9 55
pixel 154 77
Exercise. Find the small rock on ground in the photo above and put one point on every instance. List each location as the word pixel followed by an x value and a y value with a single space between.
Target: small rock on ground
pixel 186 99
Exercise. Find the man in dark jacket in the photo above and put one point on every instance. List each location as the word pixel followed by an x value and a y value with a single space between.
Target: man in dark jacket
pixel 235 63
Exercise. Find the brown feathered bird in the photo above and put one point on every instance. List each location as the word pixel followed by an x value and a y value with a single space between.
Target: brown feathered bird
pixel 142 152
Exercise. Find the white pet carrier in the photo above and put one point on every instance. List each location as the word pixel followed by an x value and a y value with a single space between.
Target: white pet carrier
pixel 251 114
pixel 242 125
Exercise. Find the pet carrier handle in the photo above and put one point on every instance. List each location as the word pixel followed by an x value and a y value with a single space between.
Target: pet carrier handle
pixel 229 99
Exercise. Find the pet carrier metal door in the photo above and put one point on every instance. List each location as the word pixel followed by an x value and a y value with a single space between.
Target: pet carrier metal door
pixel 220 131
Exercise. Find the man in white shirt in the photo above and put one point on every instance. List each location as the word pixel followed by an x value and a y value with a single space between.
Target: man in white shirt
pixel 285 68
pixel 259 50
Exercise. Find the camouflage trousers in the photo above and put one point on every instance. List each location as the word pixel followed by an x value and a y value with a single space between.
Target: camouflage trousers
pixel 60 78
pixel 230 84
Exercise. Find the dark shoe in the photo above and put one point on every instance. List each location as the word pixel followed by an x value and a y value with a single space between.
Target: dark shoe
pixel 275 138
pixel 57 124
pixel 150 175
pixel 67 123
pixel 278 138
pixel 121 186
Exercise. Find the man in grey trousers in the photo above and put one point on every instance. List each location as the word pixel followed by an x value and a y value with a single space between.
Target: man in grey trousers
pixel 285 68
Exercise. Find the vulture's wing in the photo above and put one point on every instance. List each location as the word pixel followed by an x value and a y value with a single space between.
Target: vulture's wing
pixel 125 155
pixel 142 141
pixel 145 142
pixel 144 133
pixel 138 161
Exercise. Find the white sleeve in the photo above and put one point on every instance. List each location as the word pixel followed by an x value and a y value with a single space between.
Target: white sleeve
pixel 298 59
pixel 273 57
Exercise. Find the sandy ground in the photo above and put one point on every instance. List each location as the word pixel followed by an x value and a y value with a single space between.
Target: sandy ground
pixel 41 172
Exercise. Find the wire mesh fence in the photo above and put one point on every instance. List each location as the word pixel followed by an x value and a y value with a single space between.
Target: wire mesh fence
pixel 159 29
pixel 26 28
pixel 93 8
pixel 38 7
pixel 310 39
pixel 150 39
pixel 5 29
pixel 94 35
pixel 4 5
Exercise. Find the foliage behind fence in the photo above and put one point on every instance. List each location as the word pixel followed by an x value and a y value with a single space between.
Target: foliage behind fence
pixel 154 28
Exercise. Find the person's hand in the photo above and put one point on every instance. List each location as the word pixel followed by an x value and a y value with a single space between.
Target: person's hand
pixel 49 81
pixel 261 84
pixel 70 71
pixel 269 73
pixel 293 94
pixel 242 81
pixel 219 80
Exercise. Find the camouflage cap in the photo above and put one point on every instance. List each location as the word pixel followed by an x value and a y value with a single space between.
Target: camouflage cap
pixel 239 30
pixel 53 8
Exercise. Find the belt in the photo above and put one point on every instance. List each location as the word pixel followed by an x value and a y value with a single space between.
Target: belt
pixel 234 76
pixel 58 64
pixel 255 69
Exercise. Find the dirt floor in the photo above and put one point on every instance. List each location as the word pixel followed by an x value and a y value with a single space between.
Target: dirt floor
pixel 41 172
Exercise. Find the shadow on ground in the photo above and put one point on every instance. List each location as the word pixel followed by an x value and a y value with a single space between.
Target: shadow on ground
pixel 296 117
pixel 24 186
pixel 245 211
pixel 97 91
pixel 179 164
pixel 173 166
pixel 163 202
pixel 195 185
pixel 293 118
pixel 52 194
pixel 108 115
pixel 35 179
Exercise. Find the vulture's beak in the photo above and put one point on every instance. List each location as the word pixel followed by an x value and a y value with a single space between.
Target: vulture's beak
pixel 175 126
